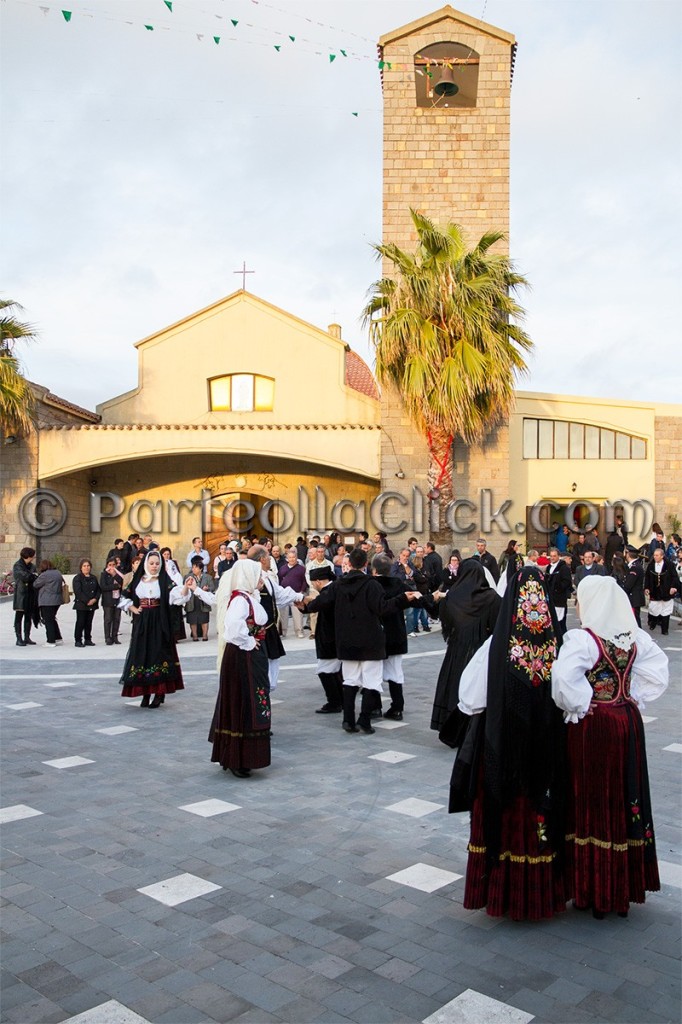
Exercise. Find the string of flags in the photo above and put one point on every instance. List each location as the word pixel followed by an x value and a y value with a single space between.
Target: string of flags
pixel 346 53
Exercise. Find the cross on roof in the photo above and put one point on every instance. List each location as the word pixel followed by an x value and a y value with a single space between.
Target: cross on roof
pixel 243 272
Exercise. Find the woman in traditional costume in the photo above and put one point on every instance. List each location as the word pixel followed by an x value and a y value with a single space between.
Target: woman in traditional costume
pixel 177 618
pixel 240 730
pixel 468 613
pixel 605 674
pixel 152 666
pixel 510 769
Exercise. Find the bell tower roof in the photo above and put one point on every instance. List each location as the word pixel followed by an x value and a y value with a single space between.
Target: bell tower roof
pixel 449 13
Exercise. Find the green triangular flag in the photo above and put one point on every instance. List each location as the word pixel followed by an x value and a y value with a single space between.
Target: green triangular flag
pixel 293 38
pixel 381 65
pixel 216 40
pixel 150 28
pixel 235 23
pixel 344 53
pixel 67 15
pixel 354 113
pixel 278 48
pixel 169 5
pixel 332 58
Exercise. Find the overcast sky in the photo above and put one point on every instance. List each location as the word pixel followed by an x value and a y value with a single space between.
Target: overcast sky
pixel 139 168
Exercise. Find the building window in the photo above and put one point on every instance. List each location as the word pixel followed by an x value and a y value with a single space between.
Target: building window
pixel 559 439
pixel 446 76
pixel 241 392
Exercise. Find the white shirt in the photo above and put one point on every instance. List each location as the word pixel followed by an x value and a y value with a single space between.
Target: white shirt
pixel 204 554
pixel 235 630
pixel 579 653
pixel 151 591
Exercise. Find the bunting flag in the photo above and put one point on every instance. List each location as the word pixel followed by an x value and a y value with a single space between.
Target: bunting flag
pixel 332 58
pixel 354 113
pixel 169 5
pixel 235 23
pixel 343 52
pixel 216 40
pixel 293 38
pixel 67 15
pixel 150 28
pixel 278 48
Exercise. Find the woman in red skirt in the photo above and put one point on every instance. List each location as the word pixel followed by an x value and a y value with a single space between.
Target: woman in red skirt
pixel 510 769
pixel 604 675
pixel 240 730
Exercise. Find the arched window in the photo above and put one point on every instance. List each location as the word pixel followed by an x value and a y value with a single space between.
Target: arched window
pixel 446 76
pixel 241 392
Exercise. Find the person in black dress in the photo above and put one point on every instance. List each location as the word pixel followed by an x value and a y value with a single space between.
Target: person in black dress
pixel 86 592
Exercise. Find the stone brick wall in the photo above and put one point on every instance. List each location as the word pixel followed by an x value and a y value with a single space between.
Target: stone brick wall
pixel 668 454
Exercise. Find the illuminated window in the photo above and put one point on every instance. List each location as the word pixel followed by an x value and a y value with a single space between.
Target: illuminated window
pixel 241 392
pixel 559 439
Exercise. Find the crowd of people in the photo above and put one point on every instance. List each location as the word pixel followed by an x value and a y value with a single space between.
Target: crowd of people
pixel 539 716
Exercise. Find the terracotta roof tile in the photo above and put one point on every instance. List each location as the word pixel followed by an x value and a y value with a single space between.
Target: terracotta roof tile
pixel 359 376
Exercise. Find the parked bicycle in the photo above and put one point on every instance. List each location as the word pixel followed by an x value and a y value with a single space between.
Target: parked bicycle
pixel 7 584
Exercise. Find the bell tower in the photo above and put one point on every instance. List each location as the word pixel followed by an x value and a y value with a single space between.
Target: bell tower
pixel 446 82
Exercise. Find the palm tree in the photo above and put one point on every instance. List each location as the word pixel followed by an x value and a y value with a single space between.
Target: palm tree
pixel 16 396
pixel 446 335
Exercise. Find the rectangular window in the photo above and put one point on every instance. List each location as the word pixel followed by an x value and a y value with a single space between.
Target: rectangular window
pixel 608 444
pixel 577 440
pixel 560 440
pixel 530 439
pixel 545 439
pixel 591 442
pixel 622 446
pixel 638 448
pixel 242 392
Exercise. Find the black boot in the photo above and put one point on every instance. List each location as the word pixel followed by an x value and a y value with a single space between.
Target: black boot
pixel 377 710
pixel 665 624
pixel 366 707
pixel 397 702
pixel 349 695
pixel 334 705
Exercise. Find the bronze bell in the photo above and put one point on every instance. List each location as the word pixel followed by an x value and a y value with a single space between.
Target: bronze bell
pixel 446 86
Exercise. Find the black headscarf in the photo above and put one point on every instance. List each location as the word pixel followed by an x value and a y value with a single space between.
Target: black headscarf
pixel 523 746
pixel 469 599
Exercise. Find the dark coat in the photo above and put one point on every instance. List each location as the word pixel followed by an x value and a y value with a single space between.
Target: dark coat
pixel 660 585
pixel 359 605
pixel 24 575
pixel 633 584
pixel 490 562
pixel 582 571
pixel 110 585
pixel 49 588
pixel 559 584
pixel 577 551
pixel 616 541
pixel 325 627
pixel 395 628
pixel 84 589
pixel 433 568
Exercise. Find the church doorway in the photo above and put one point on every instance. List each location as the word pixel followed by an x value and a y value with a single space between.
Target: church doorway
pixel 238 517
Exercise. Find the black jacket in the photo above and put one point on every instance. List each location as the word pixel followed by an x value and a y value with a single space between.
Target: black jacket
pixel 359 605
pixel 633 584
pixel 433 569
pixel 582 571
pixel 84 589
pixel 559 584
pixel 490 562
pixel 110 585
pixel 325 628
pixel 395 628
pixel 659 585
pixel 24 575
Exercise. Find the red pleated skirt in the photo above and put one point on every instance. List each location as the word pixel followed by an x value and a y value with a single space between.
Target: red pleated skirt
pixel 610 850
pixel 524 882
pixel 240 730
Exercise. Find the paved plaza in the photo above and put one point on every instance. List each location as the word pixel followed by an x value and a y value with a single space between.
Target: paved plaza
pixel 141 883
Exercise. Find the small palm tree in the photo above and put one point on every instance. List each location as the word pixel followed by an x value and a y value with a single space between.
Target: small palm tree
pixel 446 335
pixel 16 397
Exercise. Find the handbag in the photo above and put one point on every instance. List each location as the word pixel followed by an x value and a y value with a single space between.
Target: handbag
pixel 66 596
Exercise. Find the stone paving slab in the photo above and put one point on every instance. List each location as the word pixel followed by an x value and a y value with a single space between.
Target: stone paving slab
pixel 303 921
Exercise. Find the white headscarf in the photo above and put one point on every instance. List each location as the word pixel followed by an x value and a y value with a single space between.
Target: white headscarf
pixel 244 576
pixel 604 608
pixel 153 575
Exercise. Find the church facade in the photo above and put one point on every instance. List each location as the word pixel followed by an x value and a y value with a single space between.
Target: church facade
pixel 246 441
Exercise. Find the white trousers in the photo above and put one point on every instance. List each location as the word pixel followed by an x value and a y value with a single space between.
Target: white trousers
pixel 273 672
pixel 328 665
pixel 393 669
pixel 365 674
